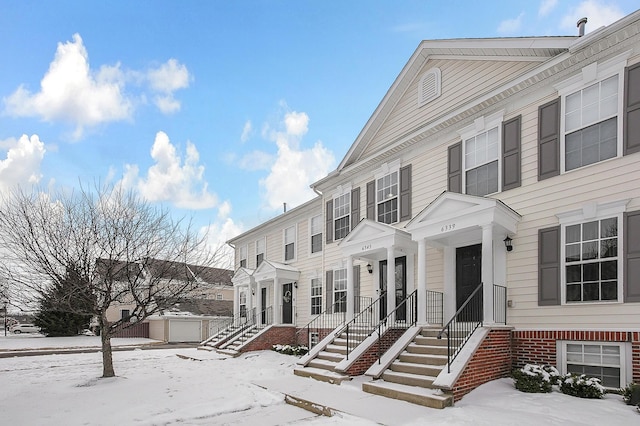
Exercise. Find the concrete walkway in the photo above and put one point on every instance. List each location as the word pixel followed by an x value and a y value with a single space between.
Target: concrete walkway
pixel 327 399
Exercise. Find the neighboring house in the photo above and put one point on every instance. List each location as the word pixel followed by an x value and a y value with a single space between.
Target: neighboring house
pixel 192 318
pixel 511 162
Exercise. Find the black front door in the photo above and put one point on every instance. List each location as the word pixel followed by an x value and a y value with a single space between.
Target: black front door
pixel 400 287
pixel 263 307
pixel 287 303
pixel 468 277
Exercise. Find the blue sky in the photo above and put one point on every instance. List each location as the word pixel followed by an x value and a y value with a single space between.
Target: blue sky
pixel 221 110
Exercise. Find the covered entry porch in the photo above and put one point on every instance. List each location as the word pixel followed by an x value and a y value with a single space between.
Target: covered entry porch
pixel 470 231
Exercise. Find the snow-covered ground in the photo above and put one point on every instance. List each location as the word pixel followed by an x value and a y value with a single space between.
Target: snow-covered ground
pixel 156 387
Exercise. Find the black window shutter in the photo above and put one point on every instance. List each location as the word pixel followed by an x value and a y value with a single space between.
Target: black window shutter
pixel 631 132
pixel 356 288
pixel 549 139
pixel 455 168
pixel 328 297
pixel 355 207
pixel 371 200
pixel 632 256
pixel 511 131
pixel 329 223
pixel 405 192
pixel 549 266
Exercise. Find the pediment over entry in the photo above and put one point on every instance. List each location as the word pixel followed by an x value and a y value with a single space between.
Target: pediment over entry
pixel 269 270
pixel 242 277
pixel 369 237
pixel 453 213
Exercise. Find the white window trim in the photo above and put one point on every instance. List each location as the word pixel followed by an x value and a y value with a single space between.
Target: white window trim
pixel 387 169
pixel 481 125
pixel 626 370
pixel 333 286
pixel 311 297
pixel 311 234
pixel 592 74
pixel 340 191
pixel 295 243
pixel 244 248
pixel 591 212
pixel 264 251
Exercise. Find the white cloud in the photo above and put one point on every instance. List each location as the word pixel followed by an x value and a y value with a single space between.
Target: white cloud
pixel 247 131
pixel 598 13
pixel 22 164
pixel 546 6
pixel 71 92
pixel 256 160
pixel 218 234
pixel 510 26
pixel 294 169
pixel 166 79
pixel 171 179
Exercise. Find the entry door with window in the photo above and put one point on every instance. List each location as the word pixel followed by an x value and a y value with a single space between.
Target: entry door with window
pixel 468 277
pixel 400 287
pixel 287 303
pixel 263 308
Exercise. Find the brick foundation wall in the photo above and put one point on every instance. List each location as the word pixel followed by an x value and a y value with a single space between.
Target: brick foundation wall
pixel 273 336
pixel 302 335
pixel 491 361
pixel 367 359
pixel 539 347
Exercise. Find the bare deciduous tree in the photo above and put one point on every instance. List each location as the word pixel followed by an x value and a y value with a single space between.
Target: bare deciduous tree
pixel 118 248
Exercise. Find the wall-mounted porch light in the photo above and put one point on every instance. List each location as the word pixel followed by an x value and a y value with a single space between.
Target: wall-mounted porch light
pixel 369 268
pixel 295 284
pixel 507 243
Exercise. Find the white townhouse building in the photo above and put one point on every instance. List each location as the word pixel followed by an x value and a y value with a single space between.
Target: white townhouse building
pixel 501 178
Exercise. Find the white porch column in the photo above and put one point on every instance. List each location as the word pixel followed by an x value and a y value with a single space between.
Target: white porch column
pixel 258 304
pixel 391 280
pixel 422 281
pixel 277 302
pixel 249 301
pixel 487 272
pixel 350 289
pixel 236 301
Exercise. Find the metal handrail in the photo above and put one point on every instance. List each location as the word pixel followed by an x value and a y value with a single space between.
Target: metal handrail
pixel 325 321
pixel 435 310
pixel 462 324
pixel 366 322
pixel 410 304
pixel 499 304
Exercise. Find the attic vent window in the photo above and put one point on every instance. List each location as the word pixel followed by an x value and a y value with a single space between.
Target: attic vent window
pixel 430 86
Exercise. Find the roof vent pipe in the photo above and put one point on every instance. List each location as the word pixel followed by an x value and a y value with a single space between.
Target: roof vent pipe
pixel 581 23
pixel 284 207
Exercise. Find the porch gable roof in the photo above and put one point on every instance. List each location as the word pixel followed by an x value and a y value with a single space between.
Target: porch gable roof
pixel 370 236
pixel 242 276
pixel 269 270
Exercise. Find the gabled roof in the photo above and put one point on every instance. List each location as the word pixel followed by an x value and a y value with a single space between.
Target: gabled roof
pixel 370 236
pixel 269 270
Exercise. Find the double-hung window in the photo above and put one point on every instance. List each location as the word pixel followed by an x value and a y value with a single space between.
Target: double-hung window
pixel 340 290
pixel 315 225
pixel 341 211
pixel 260 244
pixel 591 114
pixel 290 243
pixel 592 253
pixel 387 197
pixel 243 304
pixel 316 296
pixel 243 256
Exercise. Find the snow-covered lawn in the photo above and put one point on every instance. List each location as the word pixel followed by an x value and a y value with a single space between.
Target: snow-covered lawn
pixel 156 387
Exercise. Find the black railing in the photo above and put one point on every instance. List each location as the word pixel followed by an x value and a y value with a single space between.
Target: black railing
pixel 361 326
pixel 320 327
pixel 499 304
pixel 463 323
pixel 266 317
pixel 408 310
pixel 434 307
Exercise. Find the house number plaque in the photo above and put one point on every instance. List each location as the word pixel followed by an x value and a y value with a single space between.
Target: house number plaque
pixel 448 227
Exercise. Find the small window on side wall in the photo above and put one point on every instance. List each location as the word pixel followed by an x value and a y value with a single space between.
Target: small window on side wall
pixel 290 243
pixel 315 226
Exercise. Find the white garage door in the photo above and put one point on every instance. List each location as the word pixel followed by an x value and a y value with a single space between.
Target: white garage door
pixel 184 331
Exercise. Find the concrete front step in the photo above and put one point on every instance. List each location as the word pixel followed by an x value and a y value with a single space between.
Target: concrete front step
pixel 430 357
pixel 416 395
pixel 331 356
pixel 337 349
pixel 413 368
pixel 420 358
pixel 321 375
pixel 408 378
pixel 230 352
pixel 322 364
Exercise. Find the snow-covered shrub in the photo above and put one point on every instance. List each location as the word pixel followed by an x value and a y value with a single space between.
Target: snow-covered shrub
pixel 581 386
pixel 631 394
pixel 535 378
pixel 291 350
